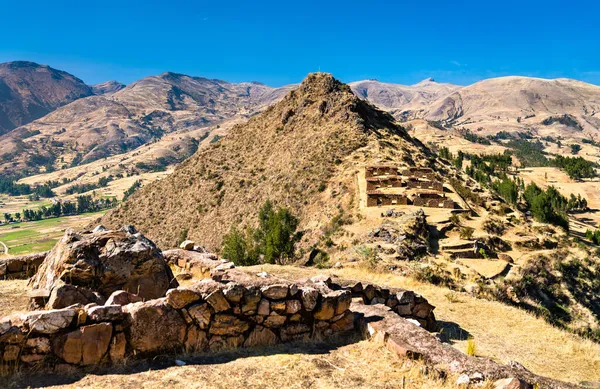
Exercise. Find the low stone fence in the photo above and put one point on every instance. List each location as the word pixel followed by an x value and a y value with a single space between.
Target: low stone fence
pixel 235 310
pixel 21 267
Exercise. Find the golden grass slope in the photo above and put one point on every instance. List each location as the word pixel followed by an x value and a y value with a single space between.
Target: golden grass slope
pixel 520 103
pixel 301 153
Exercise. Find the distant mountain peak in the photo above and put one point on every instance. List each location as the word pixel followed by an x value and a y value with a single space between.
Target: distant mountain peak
pixel 22 65
pixel 429 80
pixel 107 87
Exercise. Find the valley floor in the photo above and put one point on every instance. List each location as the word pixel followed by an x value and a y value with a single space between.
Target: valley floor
pixel 37 236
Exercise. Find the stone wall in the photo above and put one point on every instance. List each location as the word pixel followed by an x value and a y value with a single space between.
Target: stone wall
pixel 231 310
pixel 21 267
pixel 427 185
pixel 440 202
pixel 379 198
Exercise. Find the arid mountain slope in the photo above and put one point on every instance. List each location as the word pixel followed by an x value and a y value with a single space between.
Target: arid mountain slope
pixel 29 91
pixel 520 103
pixel 302 153
pixel 108 87
pixel 100 126
pixel 402 100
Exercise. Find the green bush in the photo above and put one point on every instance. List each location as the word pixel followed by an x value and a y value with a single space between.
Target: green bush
pixel 274 239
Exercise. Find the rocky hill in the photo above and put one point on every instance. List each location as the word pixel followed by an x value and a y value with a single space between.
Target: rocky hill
pixel 29 91
pixel 116 122
pixel 301 153
pixel 402 100
pixel 520 103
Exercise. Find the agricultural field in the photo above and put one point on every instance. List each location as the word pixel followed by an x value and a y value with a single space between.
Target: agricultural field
pixel 36 236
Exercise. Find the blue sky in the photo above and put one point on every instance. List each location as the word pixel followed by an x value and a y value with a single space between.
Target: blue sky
pixel 279 42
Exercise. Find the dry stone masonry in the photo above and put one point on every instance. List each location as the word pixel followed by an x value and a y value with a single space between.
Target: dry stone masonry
pixel 21 267
pixel 208 316
pixel 107 321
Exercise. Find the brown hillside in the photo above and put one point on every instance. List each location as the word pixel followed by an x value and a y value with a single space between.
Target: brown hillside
pixel 29 91
pixel 119 121
pixel 301 153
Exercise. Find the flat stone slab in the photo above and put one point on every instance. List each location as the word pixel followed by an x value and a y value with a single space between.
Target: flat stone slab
pixel 406 339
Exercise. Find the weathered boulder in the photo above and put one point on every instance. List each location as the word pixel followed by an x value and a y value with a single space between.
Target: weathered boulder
pixel 511 383
pixel 118 347
pixel 261 336
pixel 181 297
pixel 64 295
pixel 201 314
pixel 154 325
pixel 229 325
pixel 309 298
pixel 103 313
pixel 294 332
pixel 275 292
pixel 187 245
pixel 105 262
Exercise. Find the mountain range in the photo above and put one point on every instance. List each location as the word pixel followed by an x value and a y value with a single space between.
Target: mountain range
pixel 52 120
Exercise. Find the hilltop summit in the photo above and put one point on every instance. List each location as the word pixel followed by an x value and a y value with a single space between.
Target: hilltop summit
pixel 29 91
pixel 301 153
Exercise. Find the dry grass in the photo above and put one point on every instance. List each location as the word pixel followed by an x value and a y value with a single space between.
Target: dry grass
pixel 357 365
pixel 13 296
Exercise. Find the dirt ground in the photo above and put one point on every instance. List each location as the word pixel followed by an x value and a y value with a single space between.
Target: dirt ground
pixel 355 364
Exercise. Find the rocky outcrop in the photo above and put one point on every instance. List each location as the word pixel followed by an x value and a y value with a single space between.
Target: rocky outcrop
pixel 21 267
pixel 88 267
pixel 409 235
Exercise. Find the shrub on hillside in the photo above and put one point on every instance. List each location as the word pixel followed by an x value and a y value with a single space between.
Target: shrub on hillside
pixel 466 233
pixel 274 240
pixel 493 226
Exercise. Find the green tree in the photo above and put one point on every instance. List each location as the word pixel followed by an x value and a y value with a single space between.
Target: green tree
pixel 234 247
pixel 274 239
pixel 280 236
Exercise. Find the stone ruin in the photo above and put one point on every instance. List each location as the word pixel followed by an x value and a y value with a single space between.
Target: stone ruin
pixel 21 267
pixel 123 302
pixel 229 309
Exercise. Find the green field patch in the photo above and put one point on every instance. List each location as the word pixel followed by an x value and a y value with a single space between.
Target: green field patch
pixel 42 235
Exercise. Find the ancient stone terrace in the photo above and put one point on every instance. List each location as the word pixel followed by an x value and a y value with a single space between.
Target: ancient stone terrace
pixel 377 182
pixel 381 170
pixel 433 199
pixel 417 186
pixel 434 185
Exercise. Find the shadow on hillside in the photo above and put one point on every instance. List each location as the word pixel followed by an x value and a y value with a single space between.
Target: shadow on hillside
pixel 453 331
pixel 434 236
pixel 45 379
